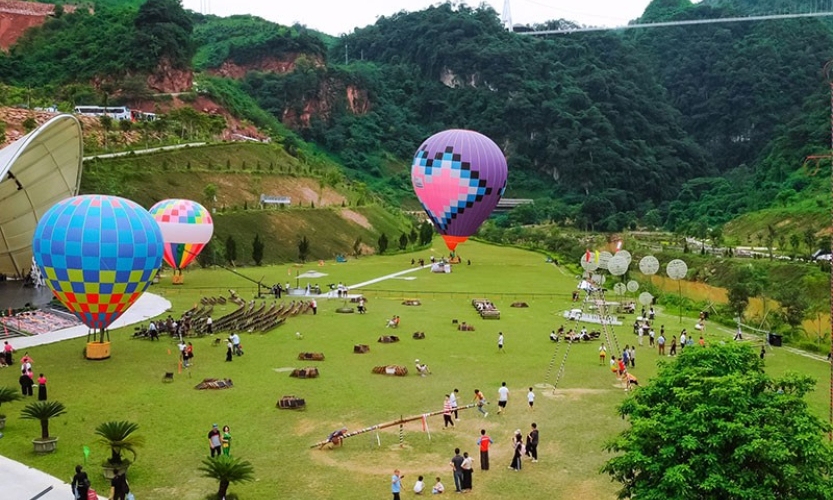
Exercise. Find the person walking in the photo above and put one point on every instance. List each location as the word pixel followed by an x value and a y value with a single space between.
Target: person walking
pixel 209 323
pixel 188 355
pixel 502 398
pixel 26 384
pixel 500 342
pixel 235 339
pixel 651 335
pixel 673 351
pixel 226 440
pixel 602 354
pixel 80 483
pixel 484 442
pixel 480 401
pixel 530 398
pixel 314 305
pixel 229 349
pixel 456 464
pixel 396 483
pixel 682 341
pixel 119 488
pixel 468 470
pixel 7 352
pixel 632 356
pixel 41 388
pixel 532 443
pixel 215 442
pixel 447 412
pixel 661 344
pixel 641 334
pixel 517 445
pixel 452 398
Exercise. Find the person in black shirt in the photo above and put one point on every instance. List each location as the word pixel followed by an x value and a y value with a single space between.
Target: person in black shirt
pixel 80 483
pixel 532 443
pixel 118 486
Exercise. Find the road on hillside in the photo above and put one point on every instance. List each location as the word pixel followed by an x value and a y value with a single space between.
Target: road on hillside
pixel 145 151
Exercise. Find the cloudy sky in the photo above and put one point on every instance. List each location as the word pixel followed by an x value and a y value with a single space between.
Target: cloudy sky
pixel 341 16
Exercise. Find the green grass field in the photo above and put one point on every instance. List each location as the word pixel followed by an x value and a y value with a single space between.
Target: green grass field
pixel 575 422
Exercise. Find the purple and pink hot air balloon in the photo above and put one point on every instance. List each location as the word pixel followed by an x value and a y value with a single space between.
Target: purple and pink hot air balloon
pixel 459 176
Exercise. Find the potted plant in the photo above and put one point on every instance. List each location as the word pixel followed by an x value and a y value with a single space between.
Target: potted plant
pixel 43 411
pixel 227 470
pixel 120 437
pixel 7 395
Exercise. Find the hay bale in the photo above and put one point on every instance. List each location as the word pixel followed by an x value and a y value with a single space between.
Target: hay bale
pixel 214 383
pixel 311 356
pixel 308 372
pixel 419 335
pixel 291 403
pixel 519 304
pixel 388 339
pixel 394 370
pixel 361 348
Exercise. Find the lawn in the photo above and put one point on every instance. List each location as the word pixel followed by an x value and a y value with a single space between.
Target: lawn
pixel 575 421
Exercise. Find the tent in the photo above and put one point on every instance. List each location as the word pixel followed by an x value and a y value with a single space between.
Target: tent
pixel 38 170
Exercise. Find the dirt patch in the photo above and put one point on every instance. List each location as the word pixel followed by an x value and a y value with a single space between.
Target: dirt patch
pixel 573 394
pixel 356 217
pixel 370 463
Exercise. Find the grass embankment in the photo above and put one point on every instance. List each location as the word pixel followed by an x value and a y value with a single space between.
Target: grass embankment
pixel 812 213
pixel 575 422
pixel 241 172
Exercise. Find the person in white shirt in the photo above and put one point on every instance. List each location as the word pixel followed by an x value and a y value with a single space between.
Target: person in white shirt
pixel 235 340
pixel 419 486
pixel 452 398
pixel 438 488
pixel 530 397
pixel 502 398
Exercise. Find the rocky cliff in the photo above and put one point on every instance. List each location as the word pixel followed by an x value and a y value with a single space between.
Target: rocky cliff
pixel 17 17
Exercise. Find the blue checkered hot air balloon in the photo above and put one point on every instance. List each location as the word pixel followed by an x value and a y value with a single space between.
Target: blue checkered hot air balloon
pixel 98 254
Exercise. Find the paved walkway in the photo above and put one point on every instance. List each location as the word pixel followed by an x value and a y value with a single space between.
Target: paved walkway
pixel 145 151
pixel 20 482
pixel 148 306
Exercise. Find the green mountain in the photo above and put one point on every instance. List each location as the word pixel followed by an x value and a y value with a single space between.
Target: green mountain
pixel 683 127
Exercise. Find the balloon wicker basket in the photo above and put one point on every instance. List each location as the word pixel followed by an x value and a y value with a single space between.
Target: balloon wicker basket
pixel 98 350
pixel 178 279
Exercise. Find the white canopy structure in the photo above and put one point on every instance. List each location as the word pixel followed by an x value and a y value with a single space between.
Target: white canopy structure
pixel 38 170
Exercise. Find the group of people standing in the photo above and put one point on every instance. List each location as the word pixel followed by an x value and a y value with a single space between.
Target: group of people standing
pixel 27 379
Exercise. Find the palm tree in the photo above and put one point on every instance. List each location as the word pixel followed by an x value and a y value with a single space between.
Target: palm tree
pixel 7 395
pixel 119 437
pixel 227 470
pixel 43 411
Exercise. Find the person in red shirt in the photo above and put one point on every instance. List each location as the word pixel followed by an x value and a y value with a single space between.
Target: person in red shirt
pixel 41 388
pixel 484 443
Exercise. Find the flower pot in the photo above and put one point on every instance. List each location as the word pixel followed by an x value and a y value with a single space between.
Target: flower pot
pixel 98 350
pixel 109 469
pixel 47 445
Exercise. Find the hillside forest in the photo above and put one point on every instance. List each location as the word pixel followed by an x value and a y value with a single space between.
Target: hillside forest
pixel 681 128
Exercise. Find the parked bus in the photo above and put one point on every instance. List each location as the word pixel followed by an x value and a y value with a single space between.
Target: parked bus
pixel 116 113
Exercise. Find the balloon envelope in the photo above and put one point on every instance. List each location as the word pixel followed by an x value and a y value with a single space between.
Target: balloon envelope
pixel 459 176
pixel 186 228
pixel 98 255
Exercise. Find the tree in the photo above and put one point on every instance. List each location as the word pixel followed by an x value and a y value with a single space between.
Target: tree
pixel 744 284
pixel 209 193
pixel 383 243
pixel 2 132
pixel 257 250
pixel 413 236
pixel 208 257
pixel 43 411
pixel 810 240
pixel 795 242
pixel 403 241
pixel 7 395
pixel 303 248
pixel 426 233
pixel 163 31
pixel 231 250
pixel 714 426
pixel 357 247
pixel 227 470
pixel 120 437
pixel 794 304
pixel 29 124
pixel 771 236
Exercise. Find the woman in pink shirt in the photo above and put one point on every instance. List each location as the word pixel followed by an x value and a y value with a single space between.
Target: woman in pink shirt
pixel 41 388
